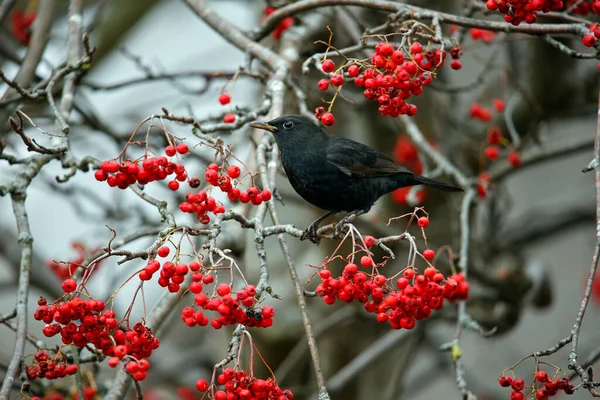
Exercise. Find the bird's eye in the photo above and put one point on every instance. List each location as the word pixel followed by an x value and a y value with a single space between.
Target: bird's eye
pixel 288 124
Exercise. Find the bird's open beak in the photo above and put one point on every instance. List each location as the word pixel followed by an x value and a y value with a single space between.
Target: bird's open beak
pixel 263 125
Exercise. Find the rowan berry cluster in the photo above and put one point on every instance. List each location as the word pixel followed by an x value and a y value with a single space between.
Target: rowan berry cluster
pixel 413 299
pixel 492 152
pixel 127 173
pixel 390 77
pixel 584 7
pixel 240 385
pixel 20 25
pixel 84 322
pixel 517 11
pixel 238 309
pixel 45 367
pixel 201 203
pixel 283 25
pixel 543 386
pixel 482 35
pixel 64 270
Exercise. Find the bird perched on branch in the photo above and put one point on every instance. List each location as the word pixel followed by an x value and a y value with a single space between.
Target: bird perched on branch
pixel 335 173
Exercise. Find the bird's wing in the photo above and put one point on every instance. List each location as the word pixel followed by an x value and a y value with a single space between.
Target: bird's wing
pixel 360 161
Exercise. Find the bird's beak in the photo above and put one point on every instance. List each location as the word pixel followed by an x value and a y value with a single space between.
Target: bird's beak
pixel 263 125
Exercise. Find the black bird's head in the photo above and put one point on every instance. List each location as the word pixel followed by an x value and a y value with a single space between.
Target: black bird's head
pixel 291 128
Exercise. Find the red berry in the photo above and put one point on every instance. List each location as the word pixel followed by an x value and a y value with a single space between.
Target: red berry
pixel 328 66
pixel 541 376
pixel 516 395
pixel 100 175
pixel 514 159
pixel 266 195
pixel 170 151
pixel 494 135
pixel 505 381
pixel 224 98
pixel 499 105
pixel 69 286
pixel 182 148
pixel 456 65
pixel 163 251
pixel 353 70
pixel 229 118
pixel 233 171
pixel 202 385
pixel 589 40
pixel 518 384
pixel 369 241
pixel 113 362
pixel 416 47
pixel 173 185
pixel 328 119
pixel 120 351
pixel 366 261
pixel 223 289
pixel 337 80
pixel 428 254
pixel 323 84
pixel 423 222
pixel 492 153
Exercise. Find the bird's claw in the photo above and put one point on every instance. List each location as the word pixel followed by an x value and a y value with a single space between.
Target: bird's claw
pixel 340 227
pixel 310 233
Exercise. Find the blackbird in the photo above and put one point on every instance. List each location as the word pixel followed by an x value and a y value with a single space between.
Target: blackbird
pixel 335 173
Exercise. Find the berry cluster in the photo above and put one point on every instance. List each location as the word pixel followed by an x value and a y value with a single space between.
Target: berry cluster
pixel 544 386
pixel 64 270
pixel 240 385
pixel 282 26
pixel 202 204
pixel 83 322
pixel 20 25
pixel 484 114
pixel 406 154
pixel 47 368
pixel 125 174
pixel 585 7
pixel 492 152
pixel 232 310
pixel 482 35
pixel 517 11
pixel 416 297
pixel 390 77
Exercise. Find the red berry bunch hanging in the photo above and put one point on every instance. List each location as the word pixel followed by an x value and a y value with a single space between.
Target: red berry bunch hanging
pixel 45 367
pixel 20 26
pixel 202 204
pixel 64 270
pixel 543 386
pixel 414 299
pixel 125 174
pixel 482 35
pixel 494 141
pixel 85 322
pixel 517 11
pixel 240 385
pixel 389 77
pixel 232 309
pixel 584 7
pixel 283 25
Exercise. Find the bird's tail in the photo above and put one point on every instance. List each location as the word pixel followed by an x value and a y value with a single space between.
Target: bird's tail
pixel 437 184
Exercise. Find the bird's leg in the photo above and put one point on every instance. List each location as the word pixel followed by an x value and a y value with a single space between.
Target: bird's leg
pixel 339 228
pixel 310 233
